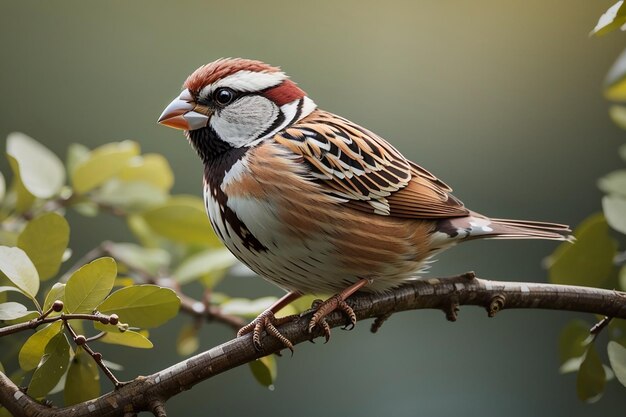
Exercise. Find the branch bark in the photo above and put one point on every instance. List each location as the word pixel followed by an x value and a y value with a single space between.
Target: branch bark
pixel 445 294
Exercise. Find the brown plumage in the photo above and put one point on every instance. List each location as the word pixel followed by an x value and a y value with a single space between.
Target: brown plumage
pixel 311 201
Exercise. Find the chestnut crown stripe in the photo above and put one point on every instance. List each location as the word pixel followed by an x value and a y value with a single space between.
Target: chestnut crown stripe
pixel 238 74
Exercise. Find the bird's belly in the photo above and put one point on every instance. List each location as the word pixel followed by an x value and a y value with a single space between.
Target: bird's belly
pixel 308 265
pixel 315 262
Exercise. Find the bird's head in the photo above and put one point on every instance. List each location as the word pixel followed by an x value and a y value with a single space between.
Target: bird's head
pixel 234 102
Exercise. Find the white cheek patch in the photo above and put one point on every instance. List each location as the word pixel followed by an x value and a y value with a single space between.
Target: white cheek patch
pixel 244 120
pixel 292 112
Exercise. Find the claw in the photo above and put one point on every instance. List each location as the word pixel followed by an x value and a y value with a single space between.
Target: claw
pixel 324 308
pixel 326 328
pixel 268 322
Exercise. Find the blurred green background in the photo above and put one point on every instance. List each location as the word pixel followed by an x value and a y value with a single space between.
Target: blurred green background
pixel 501 99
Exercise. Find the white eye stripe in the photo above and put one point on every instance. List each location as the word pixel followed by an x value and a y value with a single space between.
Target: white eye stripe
pixel 245 81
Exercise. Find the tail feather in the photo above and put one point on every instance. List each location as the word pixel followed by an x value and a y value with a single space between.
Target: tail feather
pixel 477 226
pixel 521 229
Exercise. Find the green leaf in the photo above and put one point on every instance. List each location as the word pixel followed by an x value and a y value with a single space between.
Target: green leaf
pixel 618 115
pixel 612 19
pixel 6 288
pixel 88 286
pixel 182 219
pixel 83 380
pixel 127 338
pixel 44 239
pixel 87 208
pixel 615 82
pixel 591 377
pixel 12 310
pixel 187 341
pixel 212 263
pixel 34 347
pixel 142 305
pixel 102 164
pixel 51 368
pixel 573 340
pixel 614 183
pixel 615 212
pixel 247 308
pixel 41 171
pixel 130 196
pixel 140 229
pixel 617 358
pixel 264 370
pixel 8 238
pixel 57 292
pixel 76 154
pixel 30 315
pixel 150 168
pixel 23 198
pixel 589 260
pixel 138 257
pixel 19 269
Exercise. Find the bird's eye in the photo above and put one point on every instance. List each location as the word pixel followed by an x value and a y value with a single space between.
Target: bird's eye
pixel 224 96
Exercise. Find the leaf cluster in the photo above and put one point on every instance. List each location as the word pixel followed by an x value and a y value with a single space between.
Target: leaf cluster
pixel 598 256
pixel 117 291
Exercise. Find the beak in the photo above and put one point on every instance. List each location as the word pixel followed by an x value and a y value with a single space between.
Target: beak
pixel 182 113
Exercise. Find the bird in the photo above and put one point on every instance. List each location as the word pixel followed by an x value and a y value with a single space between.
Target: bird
pixel 313 202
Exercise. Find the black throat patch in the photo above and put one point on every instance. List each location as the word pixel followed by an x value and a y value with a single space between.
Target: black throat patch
pixel 208 144
pixel 214 171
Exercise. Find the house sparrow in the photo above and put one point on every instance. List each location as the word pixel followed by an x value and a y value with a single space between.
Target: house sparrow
pixel 311 201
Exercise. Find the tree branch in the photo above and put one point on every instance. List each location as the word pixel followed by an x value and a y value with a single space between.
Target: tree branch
pixel 45 319
pixel 443 293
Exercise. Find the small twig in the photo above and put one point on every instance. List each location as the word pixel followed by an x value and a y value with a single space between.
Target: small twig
pixel 80 340
pixel 598 327
pixel 379 321
pixel 36 322
pixel 199 309
pixel 158 408
pixel 49 206
pixel 46 313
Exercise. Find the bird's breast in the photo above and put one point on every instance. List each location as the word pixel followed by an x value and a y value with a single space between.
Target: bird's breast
pixel 284 228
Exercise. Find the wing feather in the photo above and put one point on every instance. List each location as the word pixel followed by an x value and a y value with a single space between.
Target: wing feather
pixel 365 172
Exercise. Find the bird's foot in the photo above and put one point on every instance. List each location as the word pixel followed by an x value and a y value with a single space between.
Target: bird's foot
pixel 268 322
pixel 324 308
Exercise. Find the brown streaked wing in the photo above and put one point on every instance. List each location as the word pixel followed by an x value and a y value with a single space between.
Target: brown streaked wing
pixel 363 169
